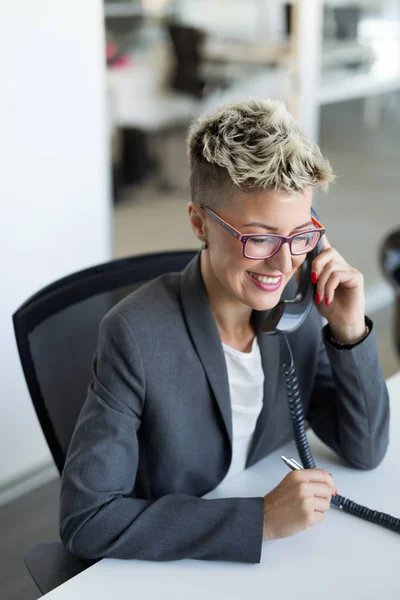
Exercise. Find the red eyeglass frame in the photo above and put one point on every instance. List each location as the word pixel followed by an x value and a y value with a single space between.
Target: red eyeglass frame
pixel 243 238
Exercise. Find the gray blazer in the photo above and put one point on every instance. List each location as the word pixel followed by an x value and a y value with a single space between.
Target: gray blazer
pixel 155 432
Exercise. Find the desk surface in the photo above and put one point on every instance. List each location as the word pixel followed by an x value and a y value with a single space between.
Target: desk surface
pixel 241 52
pixel 344 553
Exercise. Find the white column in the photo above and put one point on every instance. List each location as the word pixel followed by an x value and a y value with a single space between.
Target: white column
pixel 305 63
pixel 54 201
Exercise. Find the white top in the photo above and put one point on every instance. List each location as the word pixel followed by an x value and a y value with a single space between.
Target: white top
pixel 246 386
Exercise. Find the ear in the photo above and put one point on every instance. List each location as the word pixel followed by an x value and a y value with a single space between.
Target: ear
pixel 197 221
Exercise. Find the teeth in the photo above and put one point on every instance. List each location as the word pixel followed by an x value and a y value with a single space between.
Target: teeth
pixel 263 279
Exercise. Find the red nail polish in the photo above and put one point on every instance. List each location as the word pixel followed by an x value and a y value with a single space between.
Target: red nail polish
pixel 314 277
pixel 317 298
pixel 326 301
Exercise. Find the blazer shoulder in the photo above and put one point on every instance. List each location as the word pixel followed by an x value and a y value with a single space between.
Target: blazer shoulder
pixel 153 299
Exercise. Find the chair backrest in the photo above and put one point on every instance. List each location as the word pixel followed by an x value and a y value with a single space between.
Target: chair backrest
pixel 186 42
pixel 347 19
pixel 56 332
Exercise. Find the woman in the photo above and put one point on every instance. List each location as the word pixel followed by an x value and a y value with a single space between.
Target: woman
pixel 186 390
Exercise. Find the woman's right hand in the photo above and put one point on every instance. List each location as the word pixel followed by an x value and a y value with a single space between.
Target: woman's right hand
pixel 299 501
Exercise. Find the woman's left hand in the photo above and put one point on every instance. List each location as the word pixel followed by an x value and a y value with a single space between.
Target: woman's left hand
pixel 339 295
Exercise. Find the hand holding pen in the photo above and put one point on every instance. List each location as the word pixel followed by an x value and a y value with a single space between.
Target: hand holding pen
pixel 295 466
pixel 298 502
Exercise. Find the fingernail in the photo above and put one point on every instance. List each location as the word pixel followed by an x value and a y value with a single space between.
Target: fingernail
pixel 314 277
pixel 326 301
pixel 337 494
pixel 317 298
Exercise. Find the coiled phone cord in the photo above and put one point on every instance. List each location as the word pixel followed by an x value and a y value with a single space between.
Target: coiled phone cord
pixel 303 448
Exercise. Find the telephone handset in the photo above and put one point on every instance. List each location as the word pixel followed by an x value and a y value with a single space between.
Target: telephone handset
pixel 288 315
pixel 284 318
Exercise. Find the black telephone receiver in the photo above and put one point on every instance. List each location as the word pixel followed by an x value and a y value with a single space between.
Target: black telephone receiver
pixel 288 315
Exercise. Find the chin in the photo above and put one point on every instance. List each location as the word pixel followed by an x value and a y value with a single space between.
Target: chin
pixel 266 303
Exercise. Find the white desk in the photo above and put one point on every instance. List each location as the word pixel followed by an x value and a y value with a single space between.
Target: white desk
pixel 334 53
pixel 242 52
pixel 137 98
pixel 342 558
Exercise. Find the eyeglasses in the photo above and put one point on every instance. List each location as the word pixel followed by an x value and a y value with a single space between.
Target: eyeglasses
pixel 259 245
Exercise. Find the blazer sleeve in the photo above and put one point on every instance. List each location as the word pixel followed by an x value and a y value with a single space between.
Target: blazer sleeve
pixel 349 408
pixel 99 518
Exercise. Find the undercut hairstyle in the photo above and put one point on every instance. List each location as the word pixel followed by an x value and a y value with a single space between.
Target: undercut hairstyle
pixel 252 145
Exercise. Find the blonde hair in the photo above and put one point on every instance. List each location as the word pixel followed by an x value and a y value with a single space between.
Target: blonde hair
pixel 253 144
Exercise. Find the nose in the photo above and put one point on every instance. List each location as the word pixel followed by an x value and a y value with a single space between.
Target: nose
pixel 282 260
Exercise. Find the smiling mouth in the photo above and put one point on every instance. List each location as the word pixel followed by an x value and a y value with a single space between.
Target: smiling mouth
pixel 264 278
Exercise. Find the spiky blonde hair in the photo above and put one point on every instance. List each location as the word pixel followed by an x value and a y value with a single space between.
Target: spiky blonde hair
pixel 252 144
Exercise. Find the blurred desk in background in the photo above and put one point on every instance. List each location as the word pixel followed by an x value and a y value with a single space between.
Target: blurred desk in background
pixel 138 100
pixel 216 50
pixel 338 85
pixel 335 53
pixel 142 114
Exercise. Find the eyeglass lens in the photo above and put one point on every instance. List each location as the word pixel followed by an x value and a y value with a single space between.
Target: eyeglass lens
pixel 265 246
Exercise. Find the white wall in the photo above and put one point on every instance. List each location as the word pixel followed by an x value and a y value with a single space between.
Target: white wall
pixel 54 182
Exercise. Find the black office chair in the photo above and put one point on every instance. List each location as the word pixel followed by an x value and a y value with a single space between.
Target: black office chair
pixel 186 43
pixel 347 19
pixel 56 332
pixel 188 74
pixel 390 263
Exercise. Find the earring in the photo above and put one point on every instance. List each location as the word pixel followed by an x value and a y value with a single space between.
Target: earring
pixel 204 245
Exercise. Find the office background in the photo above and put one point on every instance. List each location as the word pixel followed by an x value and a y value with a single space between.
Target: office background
pixel 94 163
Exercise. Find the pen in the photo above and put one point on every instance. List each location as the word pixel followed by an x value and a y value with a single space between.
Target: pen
pixel 295 466
pixel 292 463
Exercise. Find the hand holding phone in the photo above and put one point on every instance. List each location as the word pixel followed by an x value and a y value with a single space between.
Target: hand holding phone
pixel 339 294
pixel 336 288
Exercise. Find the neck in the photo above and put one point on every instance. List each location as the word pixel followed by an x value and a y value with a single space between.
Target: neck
pixel 232 317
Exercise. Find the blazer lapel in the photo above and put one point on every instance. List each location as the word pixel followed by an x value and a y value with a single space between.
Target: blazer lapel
pixel 206 339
